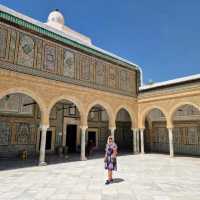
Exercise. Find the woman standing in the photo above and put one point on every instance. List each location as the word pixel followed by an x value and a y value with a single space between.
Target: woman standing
pixel 110 158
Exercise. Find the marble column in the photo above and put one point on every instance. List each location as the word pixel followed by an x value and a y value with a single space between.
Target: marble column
pixel 64 134
pixel 135 141
pixel 43 144
pixel 112 130
pixel 83 133
pixel 142 139
pixel 171 146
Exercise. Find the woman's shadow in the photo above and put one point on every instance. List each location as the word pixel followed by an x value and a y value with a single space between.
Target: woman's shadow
pixel 118 180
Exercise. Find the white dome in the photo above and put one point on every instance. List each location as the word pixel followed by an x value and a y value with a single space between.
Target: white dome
pixel 56 17
pixel 56 21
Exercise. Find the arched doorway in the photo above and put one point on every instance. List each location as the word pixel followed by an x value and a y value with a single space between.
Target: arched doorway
pixel 64 128
pixel 186 130
pixel 98 129
pixel 123 133
pixel 156 138
pixel 19 126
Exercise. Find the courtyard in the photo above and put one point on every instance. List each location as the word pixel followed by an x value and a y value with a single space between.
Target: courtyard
pixel 139 177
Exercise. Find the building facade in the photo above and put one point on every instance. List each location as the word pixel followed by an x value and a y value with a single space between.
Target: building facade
pixel 59 90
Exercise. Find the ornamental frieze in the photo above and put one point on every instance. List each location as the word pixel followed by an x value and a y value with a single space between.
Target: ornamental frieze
pixel 12 47
pixel 3 39
pixel 112 76
pixel 26 133
pixel 100 73
pixel 49 58
pixel 39 53
pixel 124 80
pixel 34 55
pixel 5 135
pixel 69 64
pixel 26 51
pixel 85 65
pixel 59 52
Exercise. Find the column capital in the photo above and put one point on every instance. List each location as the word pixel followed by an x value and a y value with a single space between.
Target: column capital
pixel 83 128
pixel 112 128
pixel 134 129
pixel 142 129
pixel 170 128
pixel 44 126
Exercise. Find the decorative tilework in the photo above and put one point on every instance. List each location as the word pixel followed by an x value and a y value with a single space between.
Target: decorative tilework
pixel 23 134
pixel 26 110
pixel 39 54
pixel 131 83
pixel 123 79
pixel 65 40
pixel 64 64
pixel 100 73
pixel 5 133
pixel 49 58
pixel 112 76
pixel 26 51
pixel 53 114
pixel 14 103
pixel 10 103
pixel 59 60
pixel 85 68
pixel 3 39
pixel 13 39
pixel 53 76
pixel 69 65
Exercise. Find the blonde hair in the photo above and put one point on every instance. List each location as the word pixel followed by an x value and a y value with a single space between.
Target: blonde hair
pixel 109 138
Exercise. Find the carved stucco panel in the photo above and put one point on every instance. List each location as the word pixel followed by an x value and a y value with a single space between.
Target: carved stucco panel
pixel 69 64
pixel 49 58
pixel 39 54
pixel 13 38
pixel 26 133
pixel 123 79
pixel 5 135
pixel 85 68
pixel 112 76
pixel 3 40
pixel 100 73
pixel 26 51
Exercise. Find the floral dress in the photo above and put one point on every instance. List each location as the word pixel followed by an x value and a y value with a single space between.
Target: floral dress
pixel 110 161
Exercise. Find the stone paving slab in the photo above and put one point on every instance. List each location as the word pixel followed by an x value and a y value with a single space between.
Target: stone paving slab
pixel 139 177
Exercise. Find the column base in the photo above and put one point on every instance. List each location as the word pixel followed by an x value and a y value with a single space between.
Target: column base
pixel 83 158
pixel 42 163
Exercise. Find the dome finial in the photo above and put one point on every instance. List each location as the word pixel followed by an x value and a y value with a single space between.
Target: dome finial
pixel 56 17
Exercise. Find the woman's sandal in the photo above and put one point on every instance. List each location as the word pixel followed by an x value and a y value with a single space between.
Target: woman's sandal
pixel 107 182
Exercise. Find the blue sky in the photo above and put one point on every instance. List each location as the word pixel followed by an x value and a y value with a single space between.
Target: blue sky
pixel 162 36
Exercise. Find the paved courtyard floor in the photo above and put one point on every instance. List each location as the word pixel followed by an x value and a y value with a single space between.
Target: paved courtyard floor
pixel 147 177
